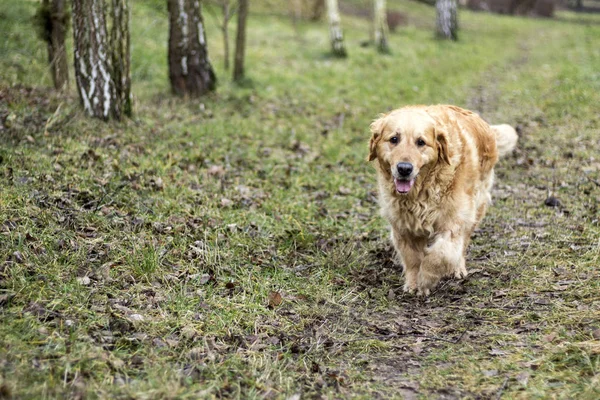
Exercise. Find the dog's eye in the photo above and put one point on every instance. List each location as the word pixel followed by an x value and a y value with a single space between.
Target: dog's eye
pixel 420 142
pixel 394 139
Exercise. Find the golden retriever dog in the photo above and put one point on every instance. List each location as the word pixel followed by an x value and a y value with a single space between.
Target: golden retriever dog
pixel 435 170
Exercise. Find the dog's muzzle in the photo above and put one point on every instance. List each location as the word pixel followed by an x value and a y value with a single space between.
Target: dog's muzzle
pixel 402 177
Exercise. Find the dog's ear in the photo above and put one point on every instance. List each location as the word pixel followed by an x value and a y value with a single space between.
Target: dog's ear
pixel 376 132
pixel 441 139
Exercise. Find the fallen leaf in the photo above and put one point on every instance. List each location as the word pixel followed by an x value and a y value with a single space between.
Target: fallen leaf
pixel 523 378
pixel 275 299
pixel 596 334
pixel 550 337
pixel 408 394
pixel 188 332
pixel 216 170
pixel 497 352
pixel 5 298
pixel 315 368
pixel 196 354
pixel 409 390
pixel 391 295
pixel 273 340
pixel 490 373
pixel 136 317
pixel 18 256
pixel 225 202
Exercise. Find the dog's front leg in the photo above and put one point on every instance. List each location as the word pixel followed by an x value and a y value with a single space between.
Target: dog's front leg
pixel 411 258
pixel 442 257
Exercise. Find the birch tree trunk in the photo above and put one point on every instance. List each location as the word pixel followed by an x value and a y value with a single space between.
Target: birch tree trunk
pixel 335 29
pixel 92 60
pixel 380 26
pixel 447 23
pixel 240 42
pixel 53 24
pixel 190 71
pixel 120 55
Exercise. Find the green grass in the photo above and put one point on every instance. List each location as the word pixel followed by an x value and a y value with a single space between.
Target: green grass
pixel 139 259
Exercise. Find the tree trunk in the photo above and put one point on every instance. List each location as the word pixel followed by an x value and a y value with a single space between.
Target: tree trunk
pixel 52 19
pixel 380 26
pixel 317 10
pixel 240 42
pixel 335 29
pixel 120 55
pixel 447 24
pixel 225 29
pixel 296 11
pixel 190 71
pixel 92 60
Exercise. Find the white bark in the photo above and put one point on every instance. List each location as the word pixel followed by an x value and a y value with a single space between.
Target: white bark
pixel 120 55
pixel 92 61
pixel 335 29
pixel 380 26
pixel 190 71
pixel 447 25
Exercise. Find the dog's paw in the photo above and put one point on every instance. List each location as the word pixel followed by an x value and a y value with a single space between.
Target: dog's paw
pixel 461 273
pixel 426 283
pixel 410 288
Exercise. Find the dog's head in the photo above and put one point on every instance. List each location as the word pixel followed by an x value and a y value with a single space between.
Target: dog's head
pixel 404 142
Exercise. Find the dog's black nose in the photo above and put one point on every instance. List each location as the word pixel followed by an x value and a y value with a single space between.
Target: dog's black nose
pixel 404 168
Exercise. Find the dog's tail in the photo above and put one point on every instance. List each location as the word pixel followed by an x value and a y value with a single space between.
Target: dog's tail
pixel 506 138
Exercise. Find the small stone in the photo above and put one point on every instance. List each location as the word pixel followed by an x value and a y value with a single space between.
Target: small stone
pixel 136 317
pixel 225 202
pixel 84 280
pixel 344 191
pixel 552 201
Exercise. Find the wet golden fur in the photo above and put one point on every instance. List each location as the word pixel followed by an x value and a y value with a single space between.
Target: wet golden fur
pixel 453 152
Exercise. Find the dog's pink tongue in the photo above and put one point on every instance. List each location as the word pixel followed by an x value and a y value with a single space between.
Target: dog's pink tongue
pixel 403 186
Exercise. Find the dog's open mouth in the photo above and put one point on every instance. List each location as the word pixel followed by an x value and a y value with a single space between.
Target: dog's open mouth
pixel 403 186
